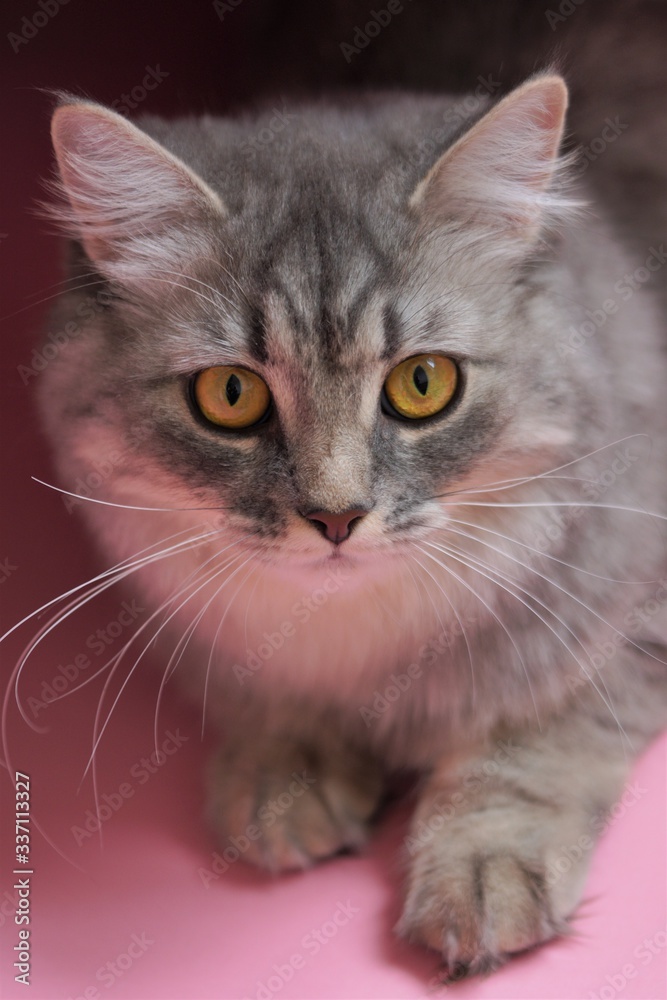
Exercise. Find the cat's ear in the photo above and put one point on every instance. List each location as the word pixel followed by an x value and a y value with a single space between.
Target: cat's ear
pixel 122 194
pixel 500 174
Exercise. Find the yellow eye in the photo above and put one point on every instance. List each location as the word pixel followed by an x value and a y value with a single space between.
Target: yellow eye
pixel 231 397
pixel 422 386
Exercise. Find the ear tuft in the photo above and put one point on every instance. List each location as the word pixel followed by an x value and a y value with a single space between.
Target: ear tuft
pixel 504 173
pixel 117 185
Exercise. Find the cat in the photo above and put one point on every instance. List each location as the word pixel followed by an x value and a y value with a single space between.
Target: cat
pixel 385 433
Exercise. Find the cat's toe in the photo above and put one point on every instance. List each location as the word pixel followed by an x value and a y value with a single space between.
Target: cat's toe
pixel 283 819
pixel 479 910
pixel 310 830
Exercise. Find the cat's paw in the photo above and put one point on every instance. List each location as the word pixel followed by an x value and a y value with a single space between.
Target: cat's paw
pixel 484 890
pixel 293 807
pixel 477 913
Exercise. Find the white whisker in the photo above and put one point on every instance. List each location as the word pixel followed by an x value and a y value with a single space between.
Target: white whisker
pixel 123 506
pixel 214 641
pixel 179 549
pixel 458 618
pixel 564 590
pixel 229 275
pixel 48 298
pixel 98 733
pixel 91 589
pixel 546 555
pixel 181 646
pixel 80 586
pixel 554 503
pixel 502 484
pixel 102 580
pixel 217 305
pixel 488 607
pixel 474 564
pixel 119 573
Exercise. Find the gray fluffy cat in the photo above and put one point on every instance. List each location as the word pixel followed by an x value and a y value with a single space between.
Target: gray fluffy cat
pixel 389 397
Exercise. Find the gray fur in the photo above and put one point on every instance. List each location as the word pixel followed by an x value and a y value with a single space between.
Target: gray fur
pixel 321 276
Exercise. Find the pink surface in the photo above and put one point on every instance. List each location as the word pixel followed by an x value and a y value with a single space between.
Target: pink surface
pixel 135 902
pixel 240 933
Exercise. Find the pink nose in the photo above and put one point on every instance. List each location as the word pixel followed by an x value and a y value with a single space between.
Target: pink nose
pixel 336 527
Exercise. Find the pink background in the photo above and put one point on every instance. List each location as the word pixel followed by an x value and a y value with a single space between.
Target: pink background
pixel 224 940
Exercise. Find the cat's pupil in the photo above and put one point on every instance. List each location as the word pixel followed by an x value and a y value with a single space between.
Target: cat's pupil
pixel 233 389
pixel 420 379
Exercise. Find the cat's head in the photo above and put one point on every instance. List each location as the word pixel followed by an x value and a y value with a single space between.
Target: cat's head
pixel 324 338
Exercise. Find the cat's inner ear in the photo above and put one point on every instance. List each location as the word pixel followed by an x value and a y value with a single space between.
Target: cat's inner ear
pixel 499 175
pixel 123 193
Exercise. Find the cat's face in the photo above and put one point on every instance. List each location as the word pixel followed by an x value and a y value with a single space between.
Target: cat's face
pixel 320 352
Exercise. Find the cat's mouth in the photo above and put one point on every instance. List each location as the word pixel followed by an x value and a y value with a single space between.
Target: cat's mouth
pixel 297 552
pixel 342 561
